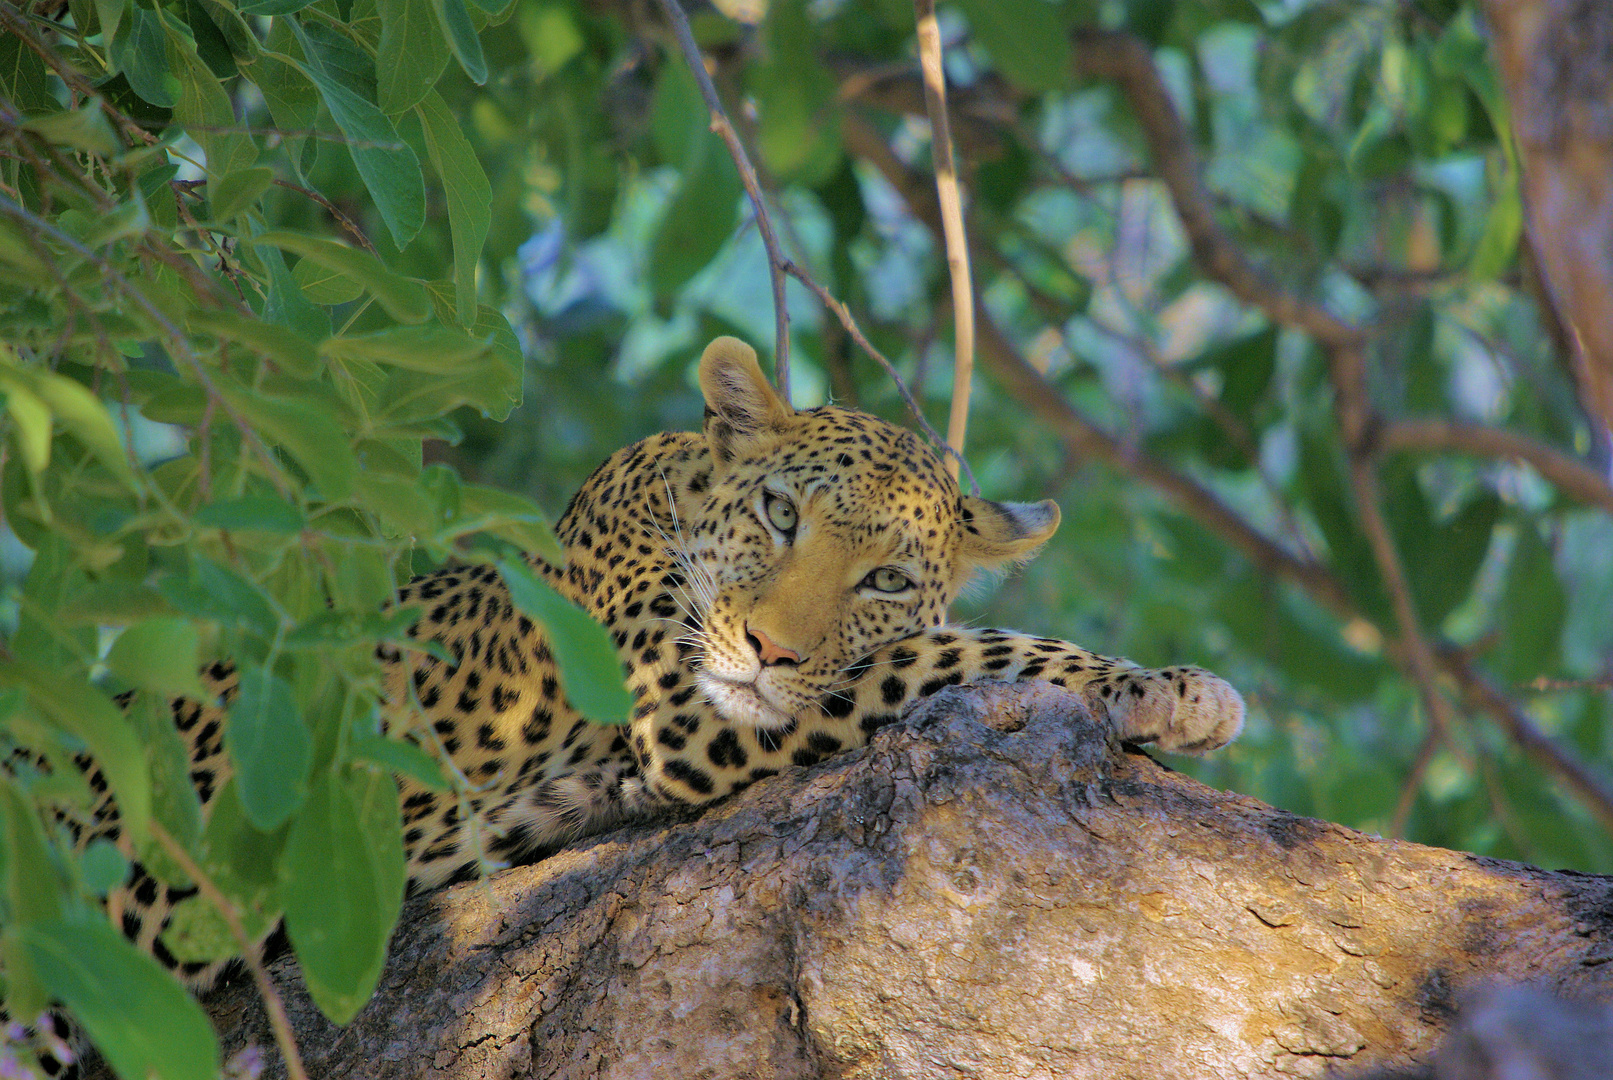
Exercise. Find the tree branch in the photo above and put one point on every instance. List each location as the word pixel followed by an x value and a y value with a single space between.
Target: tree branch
pixel 1573 478
pixel 973 886
pixel 1552 58
pixel 776 260
pixel 1127 61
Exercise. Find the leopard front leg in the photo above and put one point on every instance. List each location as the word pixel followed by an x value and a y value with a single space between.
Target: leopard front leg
pixel 1181 709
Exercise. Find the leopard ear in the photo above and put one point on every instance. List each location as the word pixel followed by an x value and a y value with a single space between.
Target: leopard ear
pixel 740 404
pixel 995 533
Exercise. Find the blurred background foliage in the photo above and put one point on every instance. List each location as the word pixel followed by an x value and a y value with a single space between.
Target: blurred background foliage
pixel 290 292
pixel 1356 151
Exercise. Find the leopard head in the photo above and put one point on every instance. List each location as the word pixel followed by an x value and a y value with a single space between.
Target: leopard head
pixel 825 534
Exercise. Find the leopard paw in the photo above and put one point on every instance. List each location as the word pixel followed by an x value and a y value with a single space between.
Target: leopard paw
pixel 1186 710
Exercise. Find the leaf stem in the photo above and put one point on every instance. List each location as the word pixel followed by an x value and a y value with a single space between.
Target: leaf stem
pixel 278 1021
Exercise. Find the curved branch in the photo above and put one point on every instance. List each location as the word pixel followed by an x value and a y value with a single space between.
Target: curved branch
pixel 1127 61
pixel 1573 478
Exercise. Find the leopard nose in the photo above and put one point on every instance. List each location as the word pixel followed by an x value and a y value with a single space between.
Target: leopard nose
pixel 770 652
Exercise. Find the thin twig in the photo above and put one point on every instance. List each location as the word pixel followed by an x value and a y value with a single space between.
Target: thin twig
pixel 249 954
pixel 1414 782
pixel 957 244
pixel 342 219
pixel 1509 717
pixel 1417 655
pixel 776 261
pixel 843 313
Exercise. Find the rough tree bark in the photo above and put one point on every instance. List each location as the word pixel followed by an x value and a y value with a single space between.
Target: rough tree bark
pixel 989 890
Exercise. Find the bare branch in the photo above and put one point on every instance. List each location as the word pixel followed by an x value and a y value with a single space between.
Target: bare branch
pixel 331 208
pixel 1573 478
pixel 1127 61
pixel 776 260
pixel 843 313
pixel 1480 693
pixel 957 244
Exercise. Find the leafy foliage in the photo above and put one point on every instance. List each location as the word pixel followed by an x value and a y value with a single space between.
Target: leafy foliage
pixel 300 298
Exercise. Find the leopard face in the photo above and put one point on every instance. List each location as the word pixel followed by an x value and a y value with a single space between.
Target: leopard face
pixel 825 535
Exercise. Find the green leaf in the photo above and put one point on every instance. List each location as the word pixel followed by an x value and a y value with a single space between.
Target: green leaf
pixel 174 802
pixel 335 900
pixel 1029 41
pixel 22 77
pixel 467 192
pixel 511 517
pixel 1442 558
pixel 403 299
pixel 219 593
pixel 266 513
pixel 306 430
pixel 1502 229
pixel 272 7
pixel 431 347
pixel 89 715
pixel 290 351
pixel 1533 609
pixel 375 795
pixel 238 191
pixel 461 35
pixel 271 748
pixel 139 50
pixel 33 894
pixel 139 1017
pixel 389 168
pixel 84 128
pixel 204 109
pixel 286 305
pixel 242 861
pixel 410 56
pixel 404 758
pixel 71 402
pixel 30 420
pixel 325 286
pixel 697 223
pixel 794 95
pixel 588 665
pixel 33 886
pixel 160 655
pixel 102 867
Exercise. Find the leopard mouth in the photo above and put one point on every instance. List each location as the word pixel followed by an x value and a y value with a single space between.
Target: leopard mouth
pixel 741 702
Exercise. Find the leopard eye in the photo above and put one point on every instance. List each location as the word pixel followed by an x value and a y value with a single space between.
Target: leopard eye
pixel 886 580
pixel 780 513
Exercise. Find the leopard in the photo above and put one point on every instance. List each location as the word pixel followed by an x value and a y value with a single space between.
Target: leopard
pixel 777 587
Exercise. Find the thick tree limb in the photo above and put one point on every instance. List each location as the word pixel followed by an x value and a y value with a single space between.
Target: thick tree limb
pixel 989 889
pixel 1554 59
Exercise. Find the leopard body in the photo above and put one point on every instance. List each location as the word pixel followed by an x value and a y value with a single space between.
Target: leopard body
pixel 777 587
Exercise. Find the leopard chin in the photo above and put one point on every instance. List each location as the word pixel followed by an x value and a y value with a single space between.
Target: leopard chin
pixel 741 703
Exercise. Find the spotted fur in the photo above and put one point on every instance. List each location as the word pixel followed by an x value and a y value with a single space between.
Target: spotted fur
pixel 777 587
